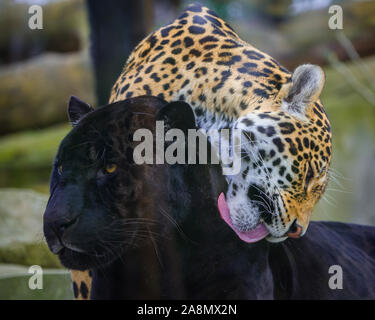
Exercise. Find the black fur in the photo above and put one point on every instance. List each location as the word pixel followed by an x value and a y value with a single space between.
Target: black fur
pixel 179 247
pixel 300 266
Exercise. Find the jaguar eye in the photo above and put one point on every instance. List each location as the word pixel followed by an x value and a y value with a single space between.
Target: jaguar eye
pixel 309 175
pixel 110 168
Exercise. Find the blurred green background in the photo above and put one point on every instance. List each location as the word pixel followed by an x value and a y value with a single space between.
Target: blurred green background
pixel 40 69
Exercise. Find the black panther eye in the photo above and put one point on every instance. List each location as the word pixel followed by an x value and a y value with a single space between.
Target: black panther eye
pixel 60 170
pixel 309 175
pixel 110 168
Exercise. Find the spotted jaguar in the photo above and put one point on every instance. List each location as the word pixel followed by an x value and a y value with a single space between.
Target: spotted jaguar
pixel 286 139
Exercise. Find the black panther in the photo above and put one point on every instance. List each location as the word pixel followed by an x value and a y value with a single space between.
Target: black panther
pixel 157 224
pixel 154 231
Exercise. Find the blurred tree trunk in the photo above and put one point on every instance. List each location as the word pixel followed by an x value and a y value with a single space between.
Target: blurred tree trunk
pixel 116 27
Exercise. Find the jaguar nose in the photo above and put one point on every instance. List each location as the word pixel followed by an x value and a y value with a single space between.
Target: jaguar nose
pixel 295 230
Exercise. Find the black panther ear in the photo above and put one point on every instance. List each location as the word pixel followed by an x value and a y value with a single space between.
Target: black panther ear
pixel 305 88
pixel 77 109
pixel 177 114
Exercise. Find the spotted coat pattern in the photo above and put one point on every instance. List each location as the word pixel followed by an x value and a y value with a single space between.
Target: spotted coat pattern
pixel 198 58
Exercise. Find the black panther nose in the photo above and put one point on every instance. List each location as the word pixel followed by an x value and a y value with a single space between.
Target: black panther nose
pixel 55 246
pixel 295 230
pixel 54 232
pixel 65 225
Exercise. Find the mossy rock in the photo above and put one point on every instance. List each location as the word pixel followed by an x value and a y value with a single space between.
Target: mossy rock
pixel 26 157
pixel 31 149
pixel 21 229
pixel 34 94
pixel 64 29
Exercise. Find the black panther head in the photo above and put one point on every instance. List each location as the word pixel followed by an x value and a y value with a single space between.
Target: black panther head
pixel 100 201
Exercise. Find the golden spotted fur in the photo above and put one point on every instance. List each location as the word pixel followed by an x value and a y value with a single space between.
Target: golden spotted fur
pixel 198 58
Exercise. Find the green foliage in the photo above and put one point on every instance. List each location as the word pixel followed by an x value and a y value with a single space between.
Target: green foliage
pixel 352 119
pixel 14 282
pixel 346 106
pixel 31 149
pixel 29 254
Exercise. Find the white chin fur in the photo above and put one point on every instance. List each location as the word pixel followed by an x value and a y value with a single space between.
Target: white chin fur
pixel 275 240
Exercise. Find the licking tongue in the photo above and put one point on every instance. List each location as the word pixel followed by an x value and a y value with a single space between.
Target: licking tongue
pixel 254 235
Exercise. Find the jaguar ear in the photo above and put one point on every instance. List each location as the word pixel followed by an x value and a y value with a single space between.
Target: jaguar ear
pixel 77 109
pixel 177 114
pixel 305 88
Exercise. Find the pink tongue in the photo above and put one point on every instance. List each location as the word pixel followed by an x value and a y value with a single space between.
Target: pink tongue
pixel 254 235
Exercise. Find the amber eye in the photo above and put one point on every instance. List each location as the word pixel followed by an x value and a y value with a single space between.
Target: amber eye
pixel 309 175
pixel 60 169
pixel 110 168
